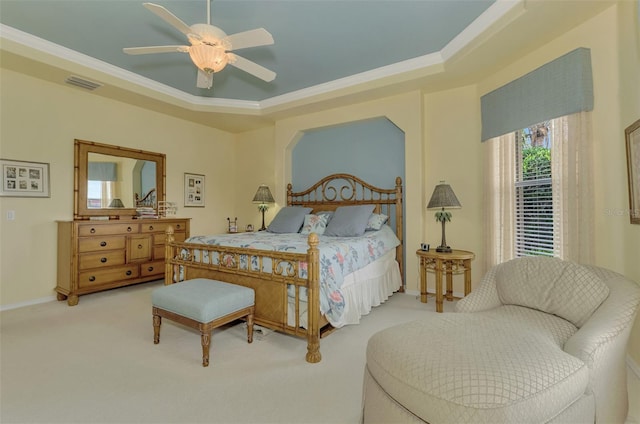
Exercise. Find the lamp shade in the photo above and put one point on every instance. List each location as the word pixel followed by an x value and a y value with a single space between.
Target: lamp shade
pixel 116 203
pixel 208 58
pixel 443 197
pixel 263 195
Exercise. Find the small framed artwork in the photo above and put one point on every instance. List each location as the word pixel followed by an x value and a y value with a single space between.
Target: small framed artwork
pixel 24 179
pixel 193 190
pixel 632 137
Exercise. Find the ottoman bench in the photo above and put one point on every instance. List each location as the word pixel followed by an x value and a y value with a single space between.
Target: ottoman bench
pixel 203 304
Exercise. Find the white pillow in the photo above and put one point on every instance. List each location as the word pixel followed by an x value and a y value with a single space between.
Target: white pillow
pixel 314 224
pixel 376 221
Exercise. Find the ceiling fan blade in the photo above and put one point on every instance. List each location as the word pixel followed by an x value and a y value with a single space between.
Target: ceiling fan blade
pixel 168 17
pixel 251 68
pixel 155 49
pixel 205 79
pixel 252 38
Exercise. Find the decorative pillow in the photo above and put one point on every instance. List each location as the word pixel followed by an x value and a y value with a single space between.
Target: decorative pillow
pixel 376 221
pixel 551 285
pixel 349 221
pixel 288 220
pixel 315 224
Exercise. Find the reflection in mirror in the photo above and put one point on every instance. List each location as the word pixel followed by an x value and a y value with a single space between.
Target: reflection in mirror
pixel 120 182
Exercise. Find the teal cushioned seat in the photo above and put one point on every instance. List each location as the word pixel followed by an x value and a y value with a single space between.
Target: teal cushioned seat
pixel 202 299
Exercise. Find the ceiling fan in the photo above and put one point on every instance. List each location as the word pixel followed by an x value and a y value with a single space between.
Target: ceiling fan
pixel 211 48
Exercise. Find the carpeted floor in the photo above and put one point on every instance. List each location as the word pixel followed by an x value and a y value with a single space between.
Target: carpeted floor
pixel 96 363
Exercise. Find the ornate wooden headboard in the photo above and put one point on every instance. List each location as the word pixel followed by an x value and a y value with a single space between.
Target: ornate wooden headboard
pixel 344 190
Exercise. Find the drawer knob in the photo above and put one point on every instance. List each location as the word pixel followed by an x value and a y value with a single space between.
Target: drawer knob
pixel 139 246
pixel 150 227
pixel 178 226
pixel 92 231
pixel 103 244
pixel 92 278
pixel 103 260
pixel 129 272
pixel 129 229
pixel 150 269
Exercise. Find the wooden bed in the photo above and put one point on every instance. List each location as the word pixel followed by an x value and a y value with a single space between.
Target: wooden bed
pixel 185 260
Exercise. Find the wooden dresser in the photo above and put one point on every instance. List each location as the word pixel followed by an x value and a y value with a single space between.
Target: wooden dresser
pixel 100 255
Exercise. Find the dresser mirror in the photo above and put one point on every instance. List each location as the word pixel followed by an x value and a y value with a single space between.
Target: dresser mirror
pixel 113 181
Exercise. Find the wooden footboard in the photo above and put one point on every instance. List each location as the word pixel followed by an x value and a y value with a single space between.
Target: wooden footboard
pixel 268 273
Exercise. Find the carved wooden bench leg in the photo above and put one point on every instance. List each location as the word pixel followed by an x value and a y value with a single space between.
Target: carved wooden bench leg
pixel 206 344
pixel 250 328
pixel 157 321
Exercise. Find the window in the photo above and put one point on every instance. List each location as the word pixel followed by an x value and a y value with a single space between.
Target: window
pixel 99 193
pixel 535 218
pixel 538 189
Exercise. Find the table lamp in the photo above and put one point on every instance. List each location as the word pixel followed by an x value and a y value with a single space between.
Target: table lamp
pixel 443 197
pixel 263 197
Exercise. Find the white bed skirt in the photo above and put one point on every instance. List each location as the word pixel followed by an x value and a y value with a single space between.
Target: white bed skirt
pixel 362 290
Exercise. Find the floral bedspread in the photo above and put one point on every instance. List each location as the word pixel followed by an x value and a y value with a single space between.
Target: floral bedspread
pixel 339 256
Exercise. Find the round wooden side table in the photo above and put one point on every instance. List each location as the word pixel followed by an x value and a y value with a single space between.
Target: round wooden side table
pixel 454 262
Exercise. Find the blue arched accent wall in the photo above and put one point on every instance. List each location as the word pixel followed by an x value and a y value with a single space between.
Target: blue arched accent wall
pixel 372 150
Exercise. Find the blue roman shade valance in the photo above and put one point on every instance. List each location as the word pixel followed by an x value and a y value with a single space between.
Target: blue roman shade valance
pixel 102 171
pixel 558 88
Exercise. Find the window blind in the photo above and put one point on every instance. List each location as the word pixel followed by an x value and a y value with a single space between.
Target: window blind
pixel 558 88
pixel 535 216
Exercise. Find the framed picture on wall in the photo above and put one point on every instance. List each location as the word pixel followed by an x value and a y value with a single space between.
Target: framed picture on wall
pixel 24 179
pixel 632 137
pixel 193 190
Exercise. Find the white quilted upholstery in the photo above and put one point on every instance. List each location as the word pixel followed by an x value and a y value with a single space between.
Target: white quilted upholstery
pixel 551 285
pixel 510 363
pixel 498 366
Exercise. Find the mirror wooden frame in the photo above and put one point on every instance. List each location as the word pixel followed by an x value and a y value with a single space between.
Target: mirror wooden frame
pixel 82 149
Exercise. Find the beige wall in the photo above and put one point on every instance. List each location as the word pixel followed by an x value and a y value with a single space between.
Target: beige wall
pixel 254 166
pixel 453 154
pixel 39 122
pixel 629 95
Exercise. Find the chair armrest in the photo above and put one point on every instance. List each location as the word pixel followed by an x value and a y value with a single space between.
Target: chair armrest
pixel 601 343
pixel 484 297
pixel 615 315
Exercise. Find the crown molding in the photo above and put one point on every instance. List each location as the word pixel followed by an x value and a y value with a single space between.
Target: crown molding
pixel 495 17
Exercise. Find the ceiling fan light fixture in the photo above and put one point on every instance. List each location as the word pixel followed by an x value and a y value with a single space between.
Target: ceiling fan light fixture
pixel 208 58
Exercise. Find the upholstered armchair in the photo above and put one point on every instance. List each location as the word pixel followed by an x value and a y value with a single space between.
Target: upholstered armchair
pixel 539 340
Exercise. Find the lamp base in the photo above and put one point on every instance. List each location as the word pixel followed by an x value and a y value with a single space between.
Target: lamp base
pixel 444 249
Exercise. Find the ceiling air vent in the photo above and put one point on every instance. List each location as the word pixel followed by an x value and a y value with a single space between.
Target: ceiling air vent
pixel 82 83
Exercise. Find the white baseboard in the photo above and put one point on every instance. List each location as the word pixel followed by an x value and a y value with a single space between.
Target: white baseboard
pixel 27 303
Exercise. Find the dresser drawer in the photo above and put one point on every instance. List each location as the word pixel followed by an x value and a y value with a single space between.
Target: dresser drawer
pixel 152 268
pixel 159 239
pixel 161 227
pixel 99 277
pixel 97 229
pixel 102 259
pixel 101 243
pixel 139 248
